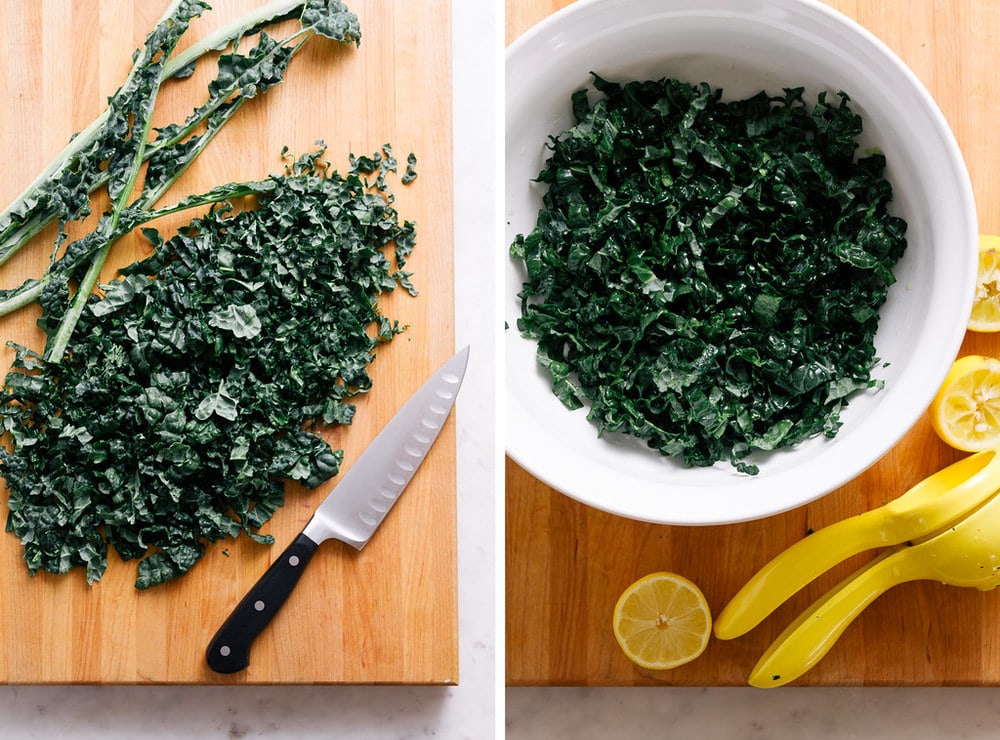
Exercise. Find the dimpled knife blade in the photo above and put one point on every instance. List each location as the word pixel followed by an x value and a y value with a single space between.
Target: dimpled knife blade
pixel 350 513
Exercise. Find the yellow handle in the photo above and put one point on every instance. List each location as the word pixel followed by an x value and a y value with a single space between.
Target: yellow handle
pixel 792 569
pixel 806 640
pixel 934 503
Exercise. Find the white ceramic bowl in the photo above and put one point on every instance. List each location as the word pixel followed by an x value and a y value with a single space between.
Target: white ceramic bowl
pixel 742 46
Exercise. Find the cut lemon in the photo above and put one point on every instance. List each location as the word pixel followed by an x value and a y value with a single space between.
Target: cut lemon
pixel 986 306
pixel 965 413
pixel 662 621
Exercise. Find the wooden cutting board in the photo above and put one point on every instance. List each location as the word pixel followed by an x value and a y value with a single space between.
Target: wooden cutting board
pixel 385 615
pixel 566 564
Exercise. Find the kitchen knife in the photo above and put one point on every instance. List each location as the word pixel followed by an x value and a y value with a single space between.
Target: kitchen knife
pixel 350 513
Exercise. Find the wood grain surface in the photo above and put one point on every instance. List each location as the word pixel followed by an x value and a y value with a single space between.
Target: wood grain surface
pixel 566 564
pixel 385 615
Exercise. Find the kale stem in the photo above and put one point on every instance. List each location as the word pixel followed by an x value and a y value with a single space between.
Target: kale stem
pixel 140 135
pixel 26 293
pixel 77 144
pixel 271 13
pixel 82 148
pixel 161 144
pixel 231 192
pixel 60 340
pixel 31 290
pixel 13 237
pixel 23 233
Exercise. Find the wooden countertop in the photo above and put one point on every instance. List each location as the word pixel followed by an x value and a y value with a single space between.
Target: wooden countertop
pixel 385 615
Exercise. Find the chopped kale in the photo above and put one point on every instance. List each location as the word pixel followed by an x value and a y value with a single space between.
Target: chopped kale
pixel 197 383
pixel 707 275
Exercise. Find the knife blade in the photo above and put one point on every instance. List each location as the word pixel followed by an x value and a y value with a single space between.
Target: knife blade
pixel 350 513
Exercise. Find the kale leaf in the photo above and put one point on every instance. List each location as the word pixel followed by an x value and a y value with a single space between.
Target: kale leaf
pixel 197 383
pixel 110 149
pixel 707 275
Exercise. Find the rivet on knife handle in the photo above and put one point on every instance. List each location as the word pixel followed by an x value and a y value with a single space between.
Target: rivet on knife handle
pixel 229 650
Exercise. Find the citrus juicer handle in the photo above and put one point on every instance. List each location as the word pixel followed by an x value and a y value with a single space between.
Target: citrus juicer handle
pixel 792 569
pixel 806 640
pixel 936 502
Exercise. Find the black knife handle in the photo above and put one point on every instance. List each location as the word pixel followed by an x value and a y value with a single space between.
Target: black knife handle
pixel 229 650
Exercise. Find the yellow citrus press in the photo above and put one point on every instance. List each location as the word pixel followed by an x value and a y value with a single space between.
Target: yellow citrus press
pixel 946 528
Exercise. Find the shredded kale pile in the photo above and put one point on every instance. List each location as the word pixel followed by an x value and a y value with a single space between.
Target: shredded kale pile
pixel 195 385
pixel 707 275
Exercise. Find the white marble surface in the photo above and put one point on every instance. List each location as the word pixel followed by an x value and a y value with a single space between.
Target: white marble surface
pixel 463 711
pixel 754 714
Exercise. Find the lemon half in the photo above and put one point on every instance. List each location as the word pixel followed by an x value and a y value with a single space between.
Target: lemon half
pixel 965 413
pixel 986 306
pixel 662 621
